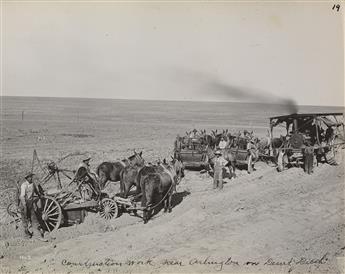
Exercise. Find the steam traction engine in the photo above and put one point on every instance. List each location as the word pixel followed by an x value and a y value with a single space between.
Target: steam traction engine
pixel 322 133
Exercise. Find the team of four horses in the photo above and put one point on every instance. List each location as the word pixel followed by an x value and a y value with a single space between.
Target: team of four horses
pixel 259 146
pixel 197 149
pixel 213 138
pixel 155 183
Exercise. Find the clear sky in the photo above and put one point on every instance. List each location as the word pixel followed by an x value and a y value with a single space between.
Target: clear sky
pixel 174 51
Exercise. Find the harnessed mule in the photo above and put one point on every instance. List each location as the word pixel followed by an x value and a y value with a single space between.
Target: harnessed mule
pixel 110 171
pixel 160 182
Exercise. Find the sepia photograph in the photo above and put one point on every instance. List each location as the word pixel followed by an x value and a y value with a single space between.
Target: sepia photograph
pixel 172 137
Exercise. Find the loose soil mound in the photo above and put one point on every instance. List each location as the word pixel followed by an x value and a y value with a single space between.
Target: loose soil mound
pixel 264 221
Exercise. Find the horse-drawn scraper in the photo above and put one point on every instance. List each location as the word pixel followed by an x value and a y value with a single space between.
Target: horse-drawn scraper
pixel 64 197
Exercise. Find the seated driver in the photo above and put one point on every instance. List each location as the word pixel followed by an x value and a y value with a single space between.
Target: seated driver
pixel 85 174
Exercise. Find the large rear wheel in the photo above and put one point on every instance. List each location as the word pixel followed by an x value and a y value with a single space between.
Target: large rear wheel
pixel 50 213
pixel 9 196
pixel 331 156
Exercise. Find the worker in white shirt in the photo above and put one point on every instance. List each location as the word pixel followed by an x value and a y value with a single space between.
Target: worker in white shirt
pixel 28 209
pixel 219 165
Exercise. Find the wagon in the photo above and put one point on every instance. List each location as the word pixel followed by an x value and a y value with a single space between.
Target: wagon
pixel 132 204
pixel 240 153
pixel 192 152
pixel 69 204
pixel 55 210
pixel 53 214
pixel 322 132
pixel 129 204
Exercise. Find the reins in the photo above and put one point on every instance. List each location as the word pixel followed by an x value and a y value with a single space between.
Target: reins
pixel 166 194
pixel 169 173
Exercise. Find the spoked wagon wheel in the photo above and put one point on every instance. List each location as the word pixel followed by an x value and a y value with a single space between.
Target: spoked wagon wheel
pixel 50 211
pixel 332 156
pixel 108 209
pixel 13 211
pixel 8 196
pixel 338 154
pixel 10 214
pixel 8 206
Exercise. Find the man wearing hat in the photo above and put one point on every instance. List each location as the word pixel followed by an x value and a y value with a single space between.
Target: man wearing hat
pixel 222 143
pixel 219 165
pixel 27 188
pixel 251 146
pixel 84 173
pixel 83 168
pixel 246 134
pixel 86 162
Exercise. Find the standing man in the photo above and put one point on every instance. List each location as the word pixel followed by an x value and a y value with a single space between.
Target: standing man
pixel 28 209
pixel 308 159
pixel 251 148
pixel 219 165
pixel 329 135
pixel 178 142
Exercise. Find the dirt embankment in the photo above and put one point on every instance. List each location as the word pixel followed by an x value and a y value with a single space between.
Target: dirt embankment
pixel 262 222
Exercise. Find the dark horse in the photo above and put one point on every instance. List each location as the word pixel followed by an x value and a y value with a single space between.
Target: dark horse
pixel 158 184
pixel 128 179
pixel 110 171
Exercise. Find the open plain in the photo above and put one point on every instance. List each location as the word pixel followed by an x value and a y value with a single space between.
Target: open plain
pixel 287 222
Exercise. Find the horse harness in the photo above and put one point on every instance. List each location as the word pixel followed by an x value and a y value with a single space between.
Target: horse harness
pixel 169 190
pixel 169 173
pixel 166 194
pixel 122 163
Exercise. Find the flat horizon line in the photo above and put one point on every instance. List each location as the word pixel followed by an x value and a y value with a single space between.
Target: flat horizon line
pixel 167 100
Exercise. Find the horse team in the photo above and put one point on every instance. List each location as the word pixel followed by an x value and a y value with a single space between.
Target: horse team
pixel 241 148
pixel 260 147
pixel 155 183
pixel 213 138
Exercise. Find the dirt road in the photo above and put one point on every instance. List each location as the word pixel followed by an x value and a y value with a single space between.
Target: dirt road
pixel 262 222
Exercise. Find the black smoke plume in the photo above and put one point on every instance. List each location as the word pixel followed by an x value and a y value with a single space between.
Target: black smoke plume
pixel 210 87
pixel 227 92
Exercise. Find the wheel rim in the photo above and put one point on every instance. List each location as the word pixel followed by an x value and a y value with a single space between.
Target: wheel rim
pixel 51 214
pixel 8 197
pixel 10 215
pixel 109 209
pixel 337 154
pixel 12 210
